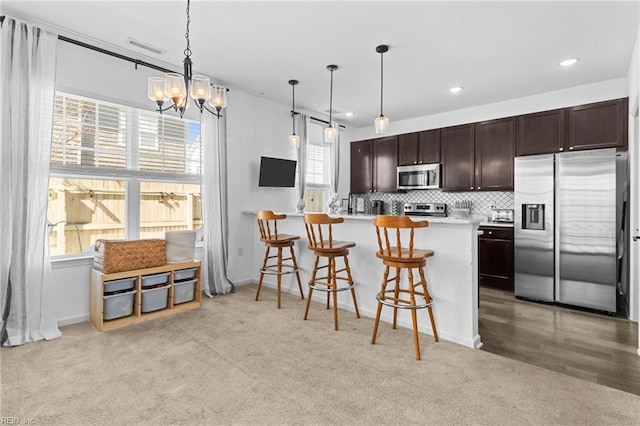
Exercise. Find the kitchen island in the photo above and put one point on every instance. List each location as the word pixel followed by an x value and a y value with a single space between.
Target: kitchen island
pixel 452 273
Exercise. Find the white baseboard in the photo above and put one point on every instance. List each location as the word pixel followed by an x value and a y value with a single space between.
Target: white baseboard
pixel 73 320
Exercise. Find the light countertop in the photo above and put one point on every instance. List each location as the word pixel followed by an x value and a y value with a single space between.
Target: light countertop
pixel 431 219
pixel 499 224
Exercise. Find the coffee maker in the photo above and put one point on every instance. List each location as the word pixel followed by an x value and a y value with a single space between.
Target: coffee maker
pixel 377 207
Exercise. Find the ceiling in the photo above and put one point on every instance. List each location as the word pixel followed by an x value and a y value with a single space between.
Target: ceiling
pixel 495 50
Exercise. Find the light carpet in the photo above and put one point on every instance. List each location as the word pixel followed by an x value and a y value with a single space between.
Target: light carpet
pixel 237 361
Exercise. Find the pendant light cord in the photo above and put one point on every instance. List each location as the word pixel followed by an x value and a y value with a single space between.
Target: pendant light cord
pixel 381 80
pixel 331 100
pixel 293 108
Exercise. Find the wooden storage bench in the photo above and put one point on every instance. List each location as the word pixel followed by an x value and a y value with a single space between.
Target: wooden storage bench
pixel 96 294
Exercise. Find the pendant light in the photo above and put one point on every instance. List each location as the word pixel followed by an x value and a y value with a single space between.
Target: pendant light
pixel 381 123
pixel 330 131
pixel 294 140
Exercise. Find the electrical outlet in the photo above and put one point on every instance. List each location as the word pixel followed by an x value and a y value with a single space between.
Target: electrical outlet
pixel 240 251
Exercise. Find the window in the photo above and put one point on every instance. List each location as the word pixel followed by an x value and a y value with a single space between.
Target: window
pixel 119 173
pixel 317 172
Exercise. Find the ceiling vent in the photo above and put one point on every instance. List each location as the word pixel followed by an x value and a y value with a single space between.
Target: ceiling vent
pixel 145 46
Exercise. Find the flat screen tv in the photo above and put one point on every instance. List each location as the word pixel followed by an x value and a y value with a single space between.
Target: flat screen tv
pixel 277 172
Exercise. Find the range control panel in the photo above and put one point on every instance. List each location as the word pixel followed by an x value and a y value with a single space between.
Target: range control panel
pixel 425 209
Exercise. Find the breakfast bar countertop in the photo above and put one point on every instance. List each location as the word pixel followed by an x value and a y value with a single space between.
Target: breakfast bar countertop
pixel 477 220
pixel 452 273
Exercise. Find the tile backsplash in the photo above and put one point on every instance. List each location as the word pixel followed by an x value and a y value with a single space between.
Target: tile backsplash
pixel 481 202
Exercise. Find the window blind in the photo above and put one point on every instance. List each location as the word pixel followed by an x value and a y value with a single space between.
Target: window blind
pixel 97 134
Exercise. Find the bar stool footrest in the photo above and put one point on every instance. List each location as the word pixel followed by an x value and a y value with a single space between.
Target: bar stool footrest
pixel 325 288
pixel 269 270
pixel 391 303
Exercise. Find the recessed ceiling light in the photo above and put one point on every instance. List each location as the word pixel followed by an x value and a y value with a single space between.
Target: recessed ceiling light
pixel 456 89
pixel 568 62
pixel 349 114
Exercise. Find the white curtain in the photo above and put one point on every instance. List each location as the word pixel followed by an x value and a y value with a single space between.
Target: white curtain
pixel 333 205
pixel 214 204
pixel 27 90
pixel 302 126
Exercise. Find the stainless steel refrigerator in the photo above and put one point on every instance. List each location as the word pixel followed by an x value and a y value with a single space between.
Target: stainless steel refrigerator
pixel 569 238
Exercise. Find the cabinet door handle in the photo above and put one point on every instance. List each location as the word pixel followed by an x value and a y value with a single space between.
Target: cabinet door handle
pixel 472 187
pixel 479 187
pixel 570 148
pixel 420 161
pixel 636 238
pixel 561 149
pixel 490 233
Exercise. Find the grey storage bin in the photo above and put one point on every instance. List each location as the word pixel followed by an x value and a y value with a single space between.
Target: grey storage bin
pixel 117 285
pixel 184 274
pixel 149 280
pixel 154 299
pixel 118 305
pixel 183 291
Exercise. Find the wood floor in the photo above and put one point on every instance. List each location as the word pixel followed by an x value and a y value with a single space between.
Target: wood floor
pixel 588 346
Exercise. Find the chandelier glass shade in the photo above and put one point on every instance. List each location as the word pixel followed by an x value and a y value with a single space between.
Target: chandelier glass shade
pixel 180 87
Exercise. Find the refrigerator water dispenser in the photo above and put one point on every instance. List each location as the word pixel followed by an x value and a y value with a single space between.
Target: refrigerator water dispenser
pixel 533 216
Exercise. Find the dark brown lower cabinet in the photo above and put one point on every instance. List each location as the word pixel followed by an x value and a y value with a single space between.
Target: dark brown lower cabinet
pixel 495 257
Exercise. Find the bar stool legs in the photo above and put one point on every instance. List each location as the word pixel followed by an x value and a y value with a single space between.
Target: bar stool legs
pixel 276 269
pixel 329 284
pixel 396 302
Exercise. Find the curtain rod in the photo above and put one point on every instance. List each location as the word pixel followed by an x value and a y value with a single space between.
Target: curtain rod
pixel 139 62
pixel 325 121
pixel 133 60
pixel 114 54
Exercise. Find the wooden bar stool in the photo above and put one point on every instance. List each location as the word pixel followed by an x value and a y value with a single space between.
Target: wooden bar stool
pixel 320 234
pixel 400 257
pixel 268 225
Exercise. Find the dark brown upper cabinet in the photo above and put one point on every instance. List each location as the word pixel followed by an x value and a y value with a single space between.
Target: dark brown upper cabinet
pixel 419 148
pixel 457 148
pixel 495 149
pixel 373 165
pixel 385 162
pixel 598 125
pixel 590 126
pixel 361 166
pixel 541 133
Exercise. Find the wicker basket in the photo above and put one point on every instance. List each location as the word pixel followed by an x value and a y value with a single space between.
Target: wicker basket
pixel 122 255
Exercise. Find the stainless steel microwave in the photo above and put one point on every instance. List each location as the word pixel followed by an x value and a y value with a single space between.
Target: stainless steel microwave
pixel 421 176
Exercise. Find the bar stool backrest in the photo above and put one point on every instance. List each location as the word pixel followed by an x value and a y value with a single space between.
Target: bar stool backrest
pixel 268 224
pixel 394 224
pixel 319 229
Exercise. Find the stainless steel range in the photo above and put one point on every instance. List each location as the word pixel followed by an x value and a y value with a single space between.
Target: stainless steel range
pixel 425 209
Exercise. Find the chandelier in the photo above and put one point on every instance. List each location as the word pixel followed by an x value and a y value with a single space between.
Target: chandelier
pixel 179 87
